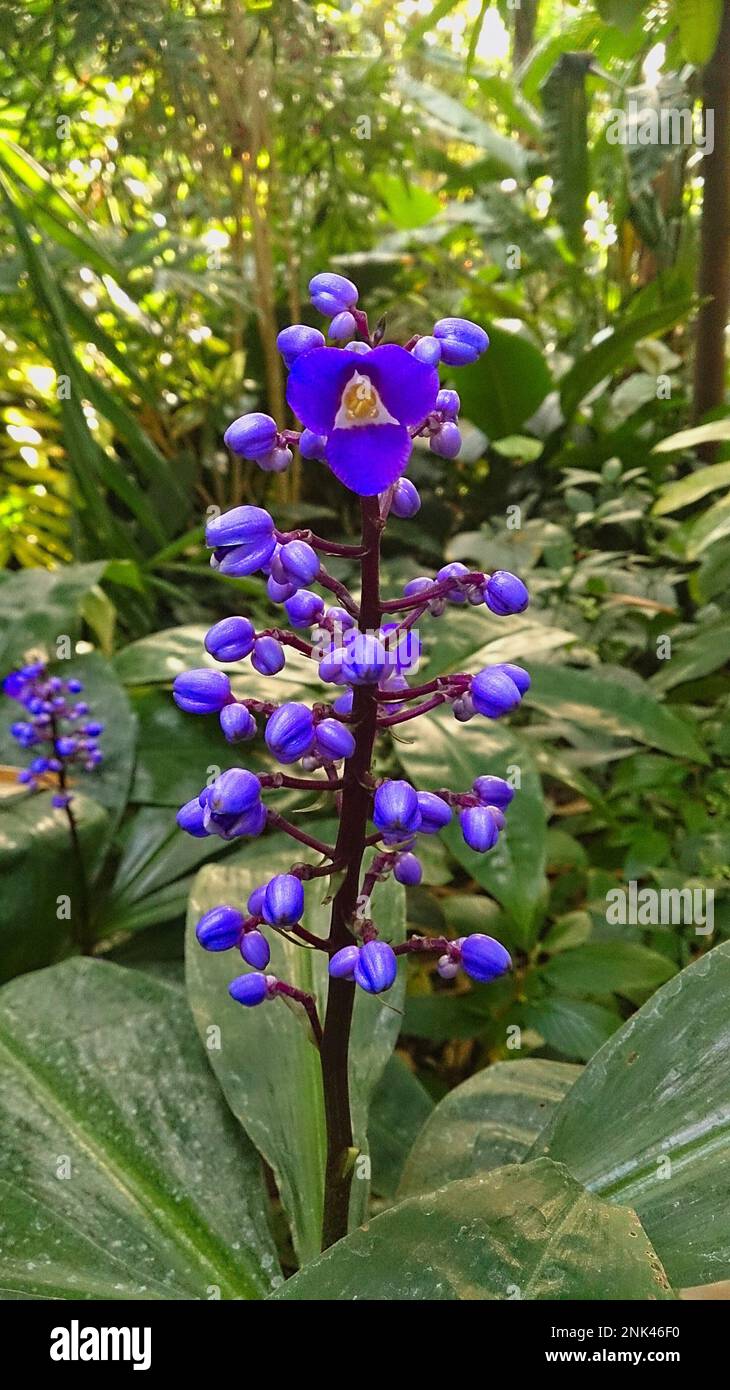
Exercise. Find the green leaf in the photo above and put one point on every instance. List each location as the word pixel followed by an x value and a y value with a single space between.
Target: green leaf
pixel 693 487
pixel 38 871
pixel 622 708
pixel 565 107
pixel 701 654
pixel 574 1027
pixel 615 351
pixel 524 1231
pixel 716 431
pixel 648 1123
pixel 400 1107
pixel 609 967
pixel 164 778
pixel 712 526
pixel 36 606
pixel 453 121
pixel 513 872
pixel 699 29
pixel 490 1120
pixel 408 205
pixel 266 1064
pixel 505 387
pixel 124 1175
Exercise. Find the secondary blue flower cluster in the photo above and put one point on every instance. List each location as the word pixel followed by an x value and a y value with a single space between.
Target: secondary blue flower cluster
pixel 56 726
pixel 362 403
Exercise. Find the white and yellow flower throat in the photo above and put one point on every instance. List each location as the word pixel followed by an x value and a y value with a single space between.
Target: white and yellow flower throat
pixel 361 405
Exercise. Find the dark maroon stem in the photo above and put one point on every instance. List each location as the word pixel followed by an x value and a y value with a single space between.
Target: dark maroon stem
pixel 275 780
pixel 437 590
pixel 350 847
pixel 349 552
pixel 280 823
pixel 287 639
pixel 341 592
pixel 456 682
pixel 402 718
pixel 291 992
pixel 81 926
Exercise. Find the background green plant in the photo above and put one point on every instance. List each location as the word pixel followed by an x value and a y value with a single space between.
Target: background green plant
pixel 170 177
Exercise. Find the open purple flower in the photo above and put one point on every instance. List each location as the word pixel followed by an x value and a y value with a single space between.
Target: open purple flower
pixel 364 405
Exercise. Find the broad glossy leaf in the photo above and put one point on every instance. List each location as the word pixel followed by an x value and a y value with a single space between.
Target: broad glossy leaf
pixel 36 605
pixel 699 28
pixel 449 755
pixel 705 651
pixel 527 1231
pixel 38 873
pixel 267 1065
pixel 124 1175
pixel 400 1107
pixel 621 706
pixel 487 1121
pixel 574 1027
pixel 695 485
pixel 505 387
pixel 609 967
pixel 648 1122
pixel 163 777
pixel 157 659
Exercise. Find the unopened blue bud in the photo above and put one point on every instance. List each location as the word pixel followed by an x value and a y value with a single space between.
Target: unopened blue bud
pixel 484 958
pixel 290 732
pixel 493 791
pixel 242 560
pixel 461 341
pixel 296 339
pixel 304 608
pixel 334 739
pixel 251 435
pixel 448 403
pixel 446 442
pixel 342 326
pixel 234 792
pixel 376 967
pixel 255 949
pixel 330 667
pixel 396 809
pixel 479 828
pixel 256 900
pixel 344 702
pixel 365 659
pixel 231 639
pixel 202 691
pixel 505 594
pixel 493 693
pixel 240 526
pixel 516 674
pixel 408 870
pixel 299 561
pixel 277 460
pixel 190 818
pixel 60 800
pixel 311 445
pixel 249 989
pixel 94 729
pixel 435 813
pixel 331 293
pixel 220 928
pixel 454 571
pixel 268 657
pixel 406 501
pixel 283 903
pixel 428 350
pixel 359 348
pixel 279 593
pixel 342 963
pixel 66 747
pixel 237 723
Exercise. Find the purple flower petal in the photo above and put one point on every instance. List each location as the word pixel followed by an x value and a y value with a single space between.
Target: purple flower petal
pixel 316 382
pixel 407 387
pixel 369 458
